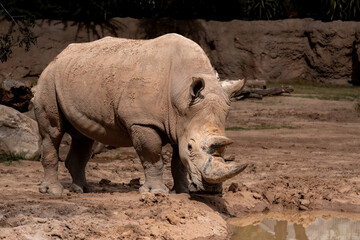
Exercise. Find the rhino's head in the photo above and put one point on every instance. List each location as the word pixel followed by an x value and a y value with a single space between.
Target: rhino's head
pixel 201 131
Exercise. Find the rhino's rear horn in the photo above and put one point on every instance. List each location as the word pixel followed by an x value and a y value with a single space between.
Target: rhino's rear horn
pixel 217 171
pixel 233 87
pixel 216 144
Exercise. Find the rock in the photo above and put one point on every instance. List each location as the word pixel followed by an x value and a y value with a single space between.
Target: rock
pixel 174 220
pixel 15 94
pixel 305 202
pixel 270 196
pixel 170 217
pixel 303 208
pixel 279 50
pixel 152 199
pixel 284 50
pixel 19 134
pixel 345 189
pixel 256 195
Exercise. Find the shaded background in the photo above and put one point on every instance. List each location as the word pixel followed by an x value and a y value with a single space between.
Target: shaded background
pixel 94 10
pixel 298 39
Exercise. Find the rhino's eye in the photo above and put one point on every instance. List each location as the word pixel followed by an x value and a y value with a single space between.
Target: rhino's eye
pixel 189 147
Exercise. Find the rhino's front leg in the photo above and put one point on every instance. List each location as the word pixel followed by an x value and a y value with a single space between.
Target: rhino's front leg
pixel 179 173
pixel 147 144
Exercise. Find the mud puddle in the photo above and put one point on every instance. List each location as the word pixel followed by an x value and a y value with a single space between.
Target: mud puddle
pixel 297 226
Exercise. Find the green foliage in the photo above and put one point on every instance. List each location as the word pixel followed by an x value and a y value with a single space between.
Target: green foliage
pixel 335 8
pixel 342 9
pixel 97 11
pixel 266 9
pixel 102 10
pixel 19 34
pixel 10 157
pixel 353 10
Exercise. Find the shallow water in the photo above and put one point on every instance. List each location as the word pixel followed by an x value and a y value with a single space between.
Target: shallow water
pixel 297 226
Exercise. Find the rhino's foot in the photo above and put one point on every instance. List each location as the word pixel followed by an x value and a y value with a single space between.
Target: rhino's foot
pixel 78 189
pixel 154 188
pixel 54 189
pixel 180 185
pixel 180 189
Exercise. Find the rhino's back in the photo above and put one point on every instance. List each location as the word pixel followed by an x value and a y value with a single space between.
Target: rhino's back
pixel 105 86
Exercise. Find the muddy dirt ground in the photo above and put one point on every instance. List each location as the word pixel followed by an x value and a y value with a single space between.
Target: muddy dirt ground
pixel 303 154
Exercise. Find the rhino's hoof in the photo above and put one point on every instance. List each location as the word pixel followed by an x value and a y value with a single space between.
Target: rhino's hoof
pixel 180 189
pixel 78 189
pixel 54 189
pixel 154 188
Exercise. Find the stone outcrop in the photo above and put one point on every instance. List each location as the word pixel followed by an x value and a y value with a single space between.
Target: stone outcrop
pixel 18 134
pixel 286 50
pixel 15 94
pixel 280 50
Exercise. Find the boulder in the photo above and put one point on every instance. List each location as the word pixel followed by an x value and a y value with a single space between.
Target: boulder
pixel 19 134
pixel 15 94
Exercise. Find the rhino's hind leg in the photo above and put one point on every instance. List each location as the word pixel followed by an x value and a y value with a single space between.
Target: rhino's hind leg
pixel 51 130
pixel 49 160
pixel 147 144
pixel 76 160
pixel 179 173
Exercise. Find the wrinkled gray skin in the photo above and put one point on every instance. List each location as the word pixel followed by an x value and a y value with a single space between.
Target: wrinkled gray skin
pixel 141 93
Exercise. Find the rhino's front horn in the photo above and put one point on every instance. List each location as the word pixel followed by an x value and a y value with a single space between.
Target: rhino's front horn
pixel 216 144
pixel 217 171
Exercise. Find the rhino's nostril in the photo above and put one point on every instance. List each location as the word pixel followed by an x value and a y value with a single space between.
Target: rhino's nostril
pixel 218 152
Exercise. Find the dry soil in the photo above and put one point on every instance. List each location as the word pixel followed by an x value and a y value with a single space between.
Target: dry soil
pixel 303 154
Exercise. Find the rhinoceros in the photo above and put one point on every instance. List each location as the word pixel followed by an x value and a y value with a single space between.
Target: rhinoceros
pixel 141 93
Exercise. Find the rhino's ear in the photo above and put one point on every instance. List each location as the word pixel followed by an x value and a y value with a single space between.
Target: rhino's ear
pixel 197 85
pixel 233 87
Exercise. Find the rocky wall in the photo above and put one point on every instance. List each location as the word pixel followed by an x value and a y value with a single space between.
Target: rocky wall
pixel 282 50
